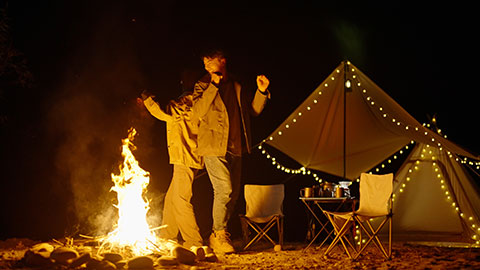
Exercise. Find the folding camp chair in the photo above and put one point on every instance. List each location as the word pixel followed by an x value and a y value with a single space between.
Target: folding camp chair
pixel 375 202
pixel 264 205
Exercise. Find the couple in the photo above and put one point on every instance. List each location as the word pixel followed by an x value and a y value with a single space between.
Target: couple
pixel 207 127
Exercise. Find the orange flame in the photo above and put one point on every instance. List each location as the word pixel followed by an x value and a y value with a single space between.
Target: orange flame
pixel 132 229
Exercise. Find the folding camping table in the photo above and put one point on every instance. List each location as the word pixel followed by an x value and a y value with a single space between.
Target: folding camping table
pixel 313 203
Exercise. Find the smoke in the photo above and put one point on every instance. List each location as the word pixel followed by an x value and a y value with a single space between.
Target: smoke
pixel 82 157
pixel 90 114
pixel 351 40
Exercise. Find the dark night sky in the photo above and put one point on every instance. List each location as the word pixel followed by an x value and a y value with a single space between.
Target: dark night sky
pixel 91 59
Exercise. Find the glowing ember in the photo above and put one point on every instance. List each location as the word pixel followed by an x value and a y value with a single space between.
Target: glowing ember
pixel 132 229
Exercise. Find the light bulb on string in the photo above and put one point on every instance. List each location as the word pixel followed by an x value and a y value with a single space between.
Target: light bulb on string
pixel 348 84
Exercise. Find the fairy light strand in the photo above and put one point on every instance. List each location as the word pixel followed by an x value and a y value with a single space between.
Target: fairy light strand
pixel 472 163
pixel 449 196
pixel 291 123
pixel 427 155
pixel 287 125
pixel 389 118
pixel 279 166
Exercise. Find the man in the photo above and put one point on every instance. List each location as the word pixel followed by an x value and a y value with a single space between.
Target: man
pixel 182 131
pixel 223 111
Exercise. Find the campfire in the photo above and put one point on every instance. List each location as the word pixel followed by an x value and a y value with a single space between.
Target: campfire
pixel 132 243
pixel 132 232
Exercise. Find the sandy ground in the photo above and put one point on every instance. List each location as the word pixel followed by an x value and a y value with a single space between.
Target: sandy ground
pixel 294 256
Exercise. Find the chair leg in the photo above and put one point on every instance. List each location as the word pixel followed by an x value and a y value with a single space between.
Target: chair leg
pixel 262 233
pixel 323 228
pixel 256 237
pixel 267 228
pixel 245 231
pixel 390 238
pixel 340 236
pixel 373 237
pixel 280 230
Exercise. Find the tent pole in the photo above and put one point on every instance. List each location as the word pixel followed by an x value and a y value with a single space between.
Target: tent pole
pixel 344 120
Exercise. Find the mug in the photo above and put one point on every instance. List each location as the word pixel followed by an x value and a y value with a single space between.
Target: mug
pixel 317 191
pixel 306 192
pixel 328 190
pixel 339 192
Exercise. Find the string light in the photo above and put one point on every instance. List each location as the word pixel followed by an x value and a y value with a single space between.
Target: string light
pixel 474 164
pixel 428 155
pixel 279 166
pixel 389 160
pixel 465 161
pixel 381 109
pixel 399 123
pixel 308 108
pixel 302 170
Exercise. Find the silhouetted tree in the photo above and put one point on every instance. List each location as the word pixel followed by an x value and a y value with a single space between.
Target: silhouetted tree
pixel 13 64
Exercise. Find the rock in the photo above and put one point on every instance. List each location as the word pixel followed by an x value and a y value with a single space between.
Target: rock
pixel 140 262
pixel 36 259
pixel 195 267
pixel 82 259
pixel 97 264
pixel 277 248
pixel 199 253
pixel 207 250
pixel 211 257
pixel 93 263
pixel 63 255
pixel 167 261
pixel 121 264
pixel 106 265
pixel 183 255
pixel 42 247
pixel 112 257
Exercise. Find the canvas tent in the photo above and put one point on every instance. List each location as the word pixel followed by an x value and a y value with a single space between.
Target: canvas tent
pixel 348 125
pixel 435 198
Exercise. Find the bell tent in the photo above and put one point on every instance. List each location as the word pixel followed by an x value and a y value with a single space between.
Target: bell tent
pixel 349 125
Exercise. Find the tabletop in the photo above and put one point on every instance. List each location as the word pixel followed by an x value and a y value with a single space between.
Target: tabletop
pixel 326 199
